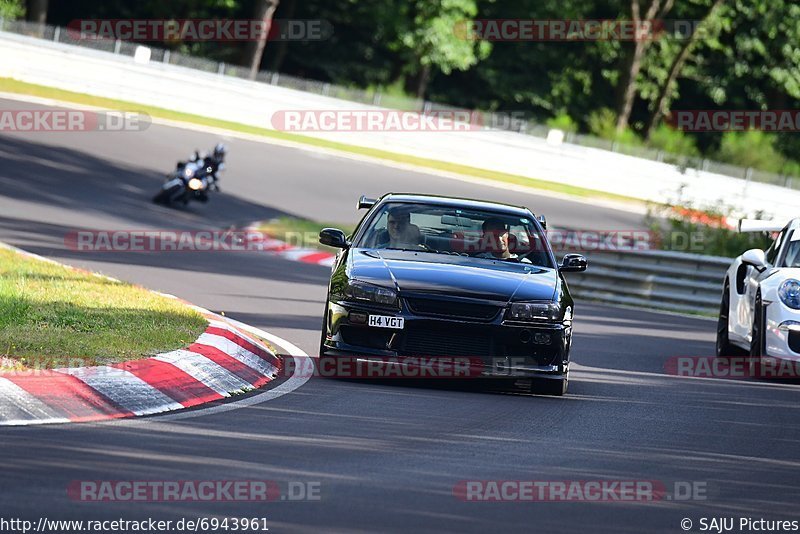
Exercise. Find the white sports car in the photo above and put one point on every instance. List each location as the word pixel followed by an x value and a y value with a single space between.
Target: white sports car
pixel 760 309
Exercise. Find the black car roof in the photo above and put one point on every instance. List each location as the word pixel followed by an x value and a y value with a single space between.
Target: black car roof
pixel 456 202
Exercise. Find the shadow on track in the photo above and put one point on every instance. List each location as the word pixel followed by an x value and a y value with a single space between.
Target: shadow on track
pixel 54 176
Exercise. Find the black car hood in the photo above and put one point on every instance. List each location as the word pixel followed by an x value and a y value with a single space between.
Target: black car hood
pixel 422 272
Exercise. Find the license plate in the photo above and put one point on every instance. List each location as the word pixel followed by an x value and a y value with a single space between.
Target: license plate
pixel 385 321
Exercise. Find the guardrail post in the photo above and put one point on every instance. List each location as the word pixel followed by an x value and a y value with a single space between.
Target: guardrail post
pixel 57 34
pixel 166 56
pixel 376 99
pixel 274 78
pixel 326 89
pixel 117 46
pixel 221 68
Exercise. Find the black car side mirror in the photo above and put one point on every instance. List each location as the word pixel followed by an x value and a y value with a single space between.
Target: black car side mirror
pixel 365 203
pixel 573 263
pixel 333 237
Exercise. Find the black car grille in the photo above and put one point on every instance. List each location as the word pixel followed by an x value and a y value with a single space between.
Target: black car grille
pixel 453 309
pixel 447 342
pixel 360 336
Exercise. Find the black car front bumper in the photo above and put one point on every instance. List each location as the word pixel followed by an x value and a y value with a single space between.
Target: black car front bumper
pixel 494 346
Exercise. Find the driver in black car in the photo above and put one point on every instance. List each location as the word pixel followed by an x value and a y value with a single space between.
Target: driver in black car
pixel 494 241
pixel 402 234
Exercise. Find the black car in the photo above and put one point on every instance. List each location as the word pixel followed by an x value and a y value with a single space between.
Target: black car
pixel 434 277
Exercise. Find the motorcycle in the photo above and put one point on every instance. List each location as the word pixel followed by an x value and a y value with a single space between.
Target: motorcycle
pixel 190 181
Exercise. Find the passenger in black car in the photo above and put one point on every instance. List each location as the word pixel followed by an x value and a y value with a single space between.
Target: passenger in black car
pixel 495 242
pixel 402 234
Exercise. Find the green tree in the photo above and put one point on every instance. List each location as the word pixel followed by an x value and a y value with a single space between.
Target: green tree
pixel 674 56
pixel 12 9
pixel 751 149
pixel 431 41
pixel 264 10
pixel 632 64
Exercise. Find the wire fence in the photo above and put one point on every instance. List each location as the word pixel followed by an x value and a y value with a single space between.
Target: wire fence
pixel 500 121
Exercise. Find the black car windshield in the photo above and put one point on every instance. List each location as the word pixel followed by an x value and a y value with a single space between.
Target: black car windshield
pixel 484 235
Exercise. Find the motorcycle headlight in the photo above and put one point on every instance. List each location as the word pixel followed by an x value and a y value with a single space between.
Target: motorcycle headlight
pixel 368 292
pixel 789 292
pixel 535 311
pixel 195 184
pixel 187 172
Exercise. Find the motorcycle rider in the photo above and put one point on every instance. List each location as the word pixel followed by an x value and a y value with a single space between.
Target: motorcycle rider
pixel 216 161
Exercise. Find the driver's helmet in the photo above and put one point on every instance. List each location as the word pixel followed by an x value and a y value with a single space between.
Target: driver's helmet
pixel 219 152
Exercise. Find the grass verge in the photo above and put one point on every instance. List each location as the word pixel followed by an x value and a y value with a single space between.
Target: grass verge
pixel 9 85
pixel 54 316
pixel 301 232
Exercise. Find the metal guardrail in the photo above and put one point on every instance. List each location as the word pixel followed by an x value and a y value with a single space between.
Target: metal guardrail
pixel 663 280
pixel 377 98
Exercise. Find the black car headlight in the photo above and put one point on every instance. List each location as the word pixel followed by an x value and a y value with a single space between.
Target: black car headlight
pixel 367 292
pixel 535 311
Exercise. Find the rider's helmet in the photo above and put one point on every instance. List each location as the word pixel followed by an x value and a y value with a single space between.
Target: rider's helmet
pixel 219 152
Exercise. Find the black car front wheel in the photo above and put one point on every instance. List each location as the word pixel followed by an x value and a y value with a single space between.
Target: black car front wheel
pixel 324 334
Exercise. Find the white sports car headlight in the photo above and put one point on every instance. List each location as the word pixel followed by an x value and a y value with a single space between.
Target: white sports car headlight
pixel 789 292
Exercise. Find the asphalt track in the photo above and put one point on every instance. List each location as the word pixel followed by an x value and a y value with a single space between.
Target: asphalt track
pixel 387 456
